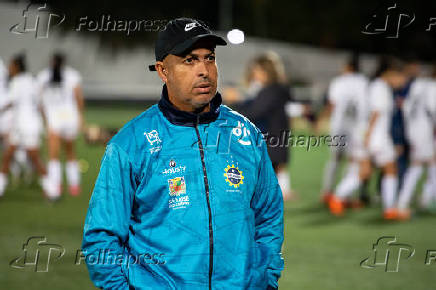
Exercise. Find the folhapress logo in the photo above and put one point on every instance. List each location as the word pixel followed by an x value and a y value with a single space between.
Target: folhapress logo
pixel 388 254
pixel 389 20
pixel 38 253
pixel 38 19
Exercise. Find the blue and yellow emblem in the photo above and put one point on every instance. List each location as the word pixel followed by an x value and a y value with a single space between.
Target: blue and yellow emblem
pixel 233 176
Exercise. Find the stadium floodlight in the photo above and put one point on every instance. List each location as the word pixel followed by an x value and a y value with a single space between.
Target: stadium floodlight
pixel 235 36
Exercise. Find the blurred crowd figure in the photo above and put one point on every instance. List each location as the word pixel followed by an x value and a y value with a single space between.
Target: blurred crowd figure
pixel 347 106
pixel 53 101
pixel 390 123
pixel 266 103
pixel 388 120
pixel 62 102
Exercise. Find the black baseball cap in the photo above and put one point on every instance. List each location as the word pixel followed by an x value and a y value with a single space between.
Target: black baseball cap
pixel 181 34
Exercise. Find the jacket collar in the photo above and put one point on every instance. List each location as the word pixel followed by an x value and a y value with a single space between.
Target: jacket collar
pixel 183 118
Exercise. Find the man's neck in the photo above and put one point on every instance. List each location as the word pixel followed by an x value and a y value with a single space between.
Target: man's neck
pixel 203 109
pixel 188 108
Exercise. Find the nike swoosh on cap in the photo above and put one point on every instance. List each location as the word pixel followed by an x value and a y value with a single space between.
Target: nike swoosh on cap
pixel 191 25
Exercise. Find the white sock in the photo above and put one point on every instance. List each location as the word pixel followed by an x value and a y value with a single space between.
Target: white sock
pixel 20 156
pixel 284 181
pixel 432 175
pixel 3 183
pixel 411 178
pixel 50 188
pixel 427 193
pixel 330 172
pixel 54 177
pixel 73 173
pixel 349 183
pixel 389 189
pixel 15 170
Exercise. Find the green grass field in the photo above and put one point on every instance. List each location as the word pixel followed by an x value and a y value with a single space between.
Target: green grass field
pixel 320 251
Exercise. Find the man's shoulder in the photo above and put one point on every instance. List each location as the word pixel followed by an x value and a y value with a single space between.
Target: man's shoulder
pixel 247 137
pixel 234 116
pixel 243 128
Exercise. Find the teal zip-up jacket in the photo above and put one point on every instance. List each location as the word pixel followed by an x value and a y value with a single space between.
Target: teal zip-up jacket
pixel 185 201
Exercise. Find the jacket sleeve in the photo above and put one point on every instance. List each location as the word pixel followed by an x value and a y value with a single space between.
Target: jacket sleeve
pixel 267 204
pixel 107 221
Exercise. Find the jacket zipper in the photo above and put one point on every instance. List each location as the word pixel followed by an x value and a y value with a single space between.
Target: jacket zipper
pixel 206 185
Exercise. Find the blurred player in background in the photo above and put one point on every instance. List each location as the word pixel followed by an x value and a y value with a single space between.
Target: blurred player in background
pixel 26 125
pixel 349 99
pixel 348 110
pixel 398 126
pixel 5 116
pixel 378 138
pixel 266 79
pixel 19 163
pixel 420 133
pixel 429 195
pixel 62 99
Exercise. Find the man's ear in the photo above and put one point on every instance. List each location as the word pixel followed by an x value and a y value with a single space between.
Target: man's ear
pixel 161 71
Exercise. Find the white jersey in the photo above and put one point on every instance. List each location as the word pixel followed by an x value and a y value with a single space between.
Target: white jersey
pixel 26 122
pixel 3 83
pixel 419 119
pixel 57 97
pixel 348 94
pixel 5 116
pixel 382 102
pixel 416 109
pixel 22 95
pixel 431 100
pixel 59 102
pixel 432 106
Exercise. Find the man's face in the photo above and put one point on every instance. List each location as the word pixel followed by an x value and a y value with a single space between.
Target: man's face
pixel 191 79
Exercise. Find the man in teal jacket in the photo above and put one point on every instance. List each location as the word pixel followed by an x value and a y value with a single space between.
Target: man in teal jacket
pixel 186 197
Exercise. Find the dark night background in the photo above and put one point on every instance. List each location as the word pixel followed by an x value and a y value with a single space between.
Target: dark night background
pixel 327 24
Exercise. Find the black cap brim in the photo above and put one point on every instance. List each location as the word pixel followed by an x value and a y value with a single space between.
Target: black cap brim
pixel 183 47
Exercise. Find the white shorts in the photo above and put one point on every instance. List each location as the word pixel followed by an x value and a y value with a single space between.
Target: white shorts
pixel 422 150
pixel 382 150
pixel 25 132
pixel 356 147
pixel 24 140
pixel 420 136
pixel 344 136
pixel 354 140
pixel 5 122
pixel 64 124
